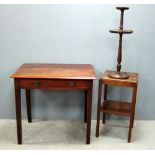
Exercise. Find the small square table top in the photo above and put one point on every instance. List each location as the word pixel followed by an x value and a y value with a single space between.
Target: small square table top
pixel 129 82
pixel 55 71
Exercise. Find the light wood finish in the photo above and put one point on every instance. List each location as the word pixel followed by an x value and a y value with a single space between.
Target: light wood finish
pixel 117 107
pixel 53 77
pixel 55 71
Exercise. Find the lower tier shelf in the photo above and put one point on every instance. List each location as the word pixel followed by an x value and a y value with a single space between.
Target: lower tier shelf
pixel 116 107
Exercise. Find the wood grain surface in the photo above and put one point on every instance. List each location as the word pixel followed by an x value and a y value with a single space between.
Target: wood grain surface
pixel 132 80
pixel 55 71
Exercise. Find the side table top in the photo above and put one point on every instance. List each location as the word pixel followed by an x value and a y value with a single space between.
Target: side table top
pixel 55 71
pixel 133 79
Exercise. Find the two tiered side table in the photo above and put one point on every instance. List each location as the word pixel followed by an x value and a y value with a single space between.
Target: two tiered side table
pixel 117 107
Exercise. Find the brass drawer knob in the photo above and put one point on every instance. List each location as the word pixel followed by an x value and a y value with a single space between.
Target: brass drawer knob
pixel 36 83
pixel 71 83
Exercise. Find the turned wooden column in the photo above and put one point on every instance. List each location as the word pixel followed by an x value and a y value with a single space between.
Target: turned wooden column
pixel 118 74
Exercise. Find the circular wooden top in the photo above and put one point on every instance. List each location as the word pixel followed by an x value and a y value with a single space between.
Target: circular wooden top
pixel 121 31
pixel 122 8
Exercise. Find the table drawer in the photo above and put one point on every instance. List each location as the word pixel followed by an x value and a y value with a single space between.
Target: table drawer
pixel 53 84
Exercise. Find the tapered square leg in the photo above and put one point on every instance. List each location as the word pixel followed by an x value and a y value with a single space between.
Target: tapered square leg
pixel 85 107
pixel 103 120
pixel 105 98
pixel 130 129
pixel 134 96
pixel 18 111
pixel 89 109
pixel 132 115
pixel 98 108
pixel 28 103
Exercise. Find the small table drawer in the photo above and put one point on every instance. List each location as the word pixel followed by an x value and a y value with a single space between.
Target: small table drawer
pixel 53 84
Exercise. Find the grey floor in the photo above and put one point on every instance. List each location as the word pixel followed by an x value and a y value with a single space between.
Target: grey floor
pixel 59 134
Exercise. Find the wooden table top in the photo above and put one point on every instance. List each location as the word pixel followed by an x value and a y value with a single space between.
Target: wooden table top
pixel 55 71
pixel 133 77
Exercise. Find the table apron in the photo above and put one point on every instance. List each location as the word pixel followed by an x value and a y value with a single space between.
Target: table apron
pixel 121 84
pixel 54 84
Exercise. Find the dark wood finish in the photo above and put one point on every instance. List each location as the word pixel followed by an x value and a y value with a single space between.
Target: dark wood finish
pixel 117 107
pixel 134 96
pixel 98 107
pixel 53 77
pixel 122 8
pixel 18 111
pixel 85 107
pixel 56 84
pixel 28 103
pixel 120 31
pixel 105 98
pixel 121 18
pixel 89 111
pixel 119 57
pixel 130 82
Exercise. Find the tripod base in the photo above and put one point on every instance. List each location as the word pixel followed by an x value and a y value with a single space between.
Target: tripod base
pixel 118 75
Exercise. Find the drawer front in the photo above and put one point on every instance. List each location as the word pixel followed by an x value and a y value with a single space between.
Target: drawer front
pixel 53 84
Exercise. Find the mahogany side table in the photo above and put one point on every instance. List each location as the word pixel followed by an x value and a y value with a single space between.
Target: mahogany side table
pixel 117 107
pixel 53 77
